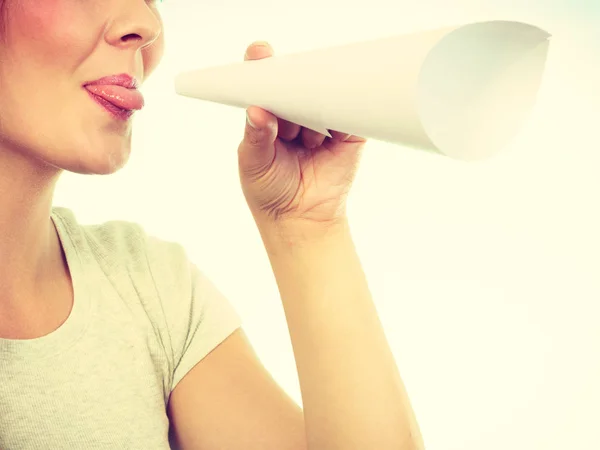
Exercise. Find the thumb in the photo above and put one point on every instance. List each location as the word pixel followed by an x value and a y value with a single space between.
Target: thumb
pixel 257 149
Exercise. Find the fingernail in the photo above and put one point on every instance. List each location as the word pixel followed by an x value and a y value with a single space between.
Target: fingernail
pixel 249 121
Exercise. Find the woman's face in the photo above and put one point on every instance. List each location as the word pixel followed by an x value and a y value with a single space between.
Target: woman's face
pixel 49 50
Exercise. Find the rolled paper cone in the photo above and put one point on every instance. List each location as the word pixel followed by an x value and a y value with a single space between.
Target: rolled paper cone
pixel 463 91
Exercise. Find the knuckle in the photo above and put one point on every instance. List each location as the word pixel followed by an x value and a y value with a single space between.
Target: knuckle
pixel 252 138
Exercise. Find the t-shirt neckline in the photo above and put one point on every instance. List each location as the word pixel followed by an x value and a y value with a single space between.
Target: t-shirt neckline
pixel 74 246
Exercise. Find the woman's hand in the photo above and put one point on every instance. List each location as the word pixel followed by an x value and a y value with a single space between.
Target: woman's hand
pixel 292 175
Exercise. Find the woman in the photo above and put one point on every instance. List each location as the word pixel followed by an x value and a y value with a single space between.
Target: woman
pixel 112 339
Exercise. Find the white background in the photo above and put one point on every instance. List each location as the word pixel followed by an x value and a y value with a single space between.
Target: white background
pixel 485 275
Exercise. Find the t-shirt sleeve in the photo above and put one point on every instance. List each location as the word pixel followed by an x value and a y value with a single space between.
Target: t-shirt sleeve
pixel 210 320
pixel 198 316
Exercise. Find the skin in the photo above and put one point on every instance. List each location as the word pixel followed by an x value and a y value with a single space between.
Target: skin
pixel 48 124
pixel 56 45
pixel 47 51
pixel 352 392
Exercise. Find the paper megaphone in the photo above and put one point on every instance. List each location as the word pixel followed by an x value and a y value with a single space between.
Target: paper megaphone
pixel 461 91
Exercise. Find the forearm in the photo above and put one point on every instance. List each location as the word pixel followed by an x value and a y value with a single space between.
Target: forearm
pixel 352 394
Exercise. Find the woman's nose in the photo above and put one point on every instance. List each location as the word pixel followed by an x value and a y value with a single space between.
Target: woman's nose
pixel 136 24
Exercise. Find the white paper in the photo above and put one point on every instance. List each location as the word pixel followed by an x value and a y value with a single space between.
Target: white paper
pixel 462 91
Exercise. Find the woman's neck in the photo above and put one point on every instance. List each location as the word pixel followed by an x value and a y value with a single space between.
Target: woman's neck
pixel 27 236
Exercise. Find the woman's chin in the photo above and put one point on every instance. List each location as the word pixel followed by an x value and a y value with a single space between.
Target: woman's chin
pixel 99 161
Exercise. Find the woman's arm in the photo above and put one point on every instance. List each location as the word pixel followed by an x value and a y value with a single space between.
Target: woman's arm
pixel 352 393
pixel 353 397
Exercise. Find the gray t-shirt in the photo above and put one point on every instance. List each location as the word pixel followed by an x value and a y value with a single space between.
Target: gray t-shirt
pixel 143 316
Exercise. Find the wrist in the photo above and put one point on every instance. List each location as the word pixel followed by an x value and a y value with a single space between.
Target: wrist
pixel 292 234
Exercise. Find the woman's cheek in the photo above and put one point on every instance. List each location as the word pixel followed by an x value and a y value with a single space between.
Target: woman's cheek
pixel 37 18
pixel 48 24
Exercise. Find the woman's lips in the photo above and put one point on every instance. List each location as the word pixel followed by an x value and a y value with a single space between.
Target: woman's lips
pixel 121 97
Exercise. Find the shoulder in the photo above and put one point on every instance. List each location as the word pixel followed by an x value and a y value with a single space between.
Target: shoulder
pixel 120 245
